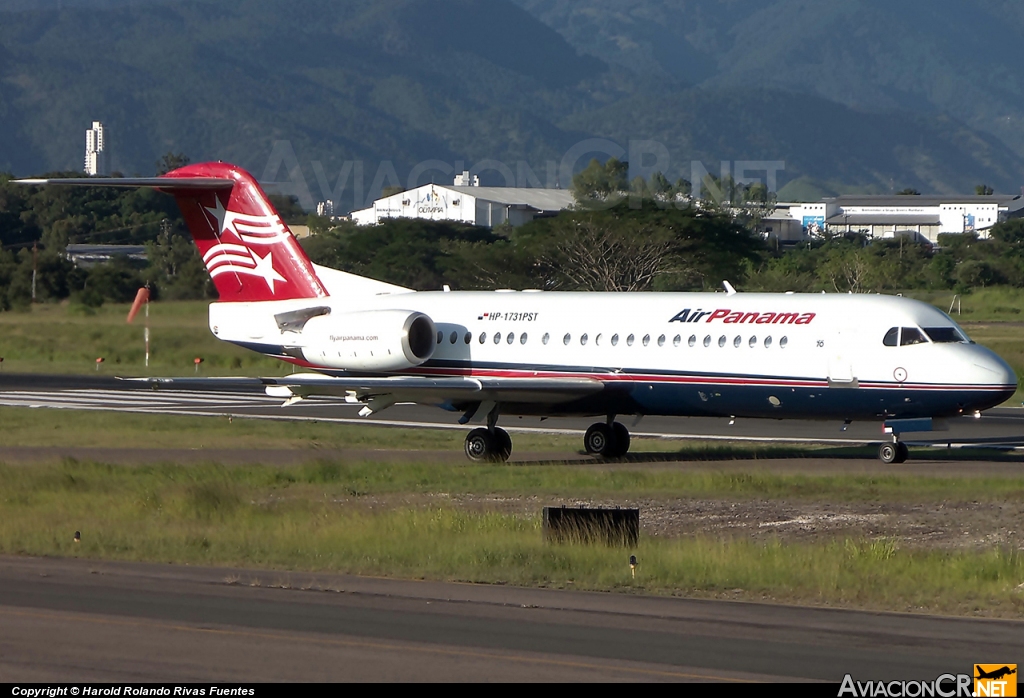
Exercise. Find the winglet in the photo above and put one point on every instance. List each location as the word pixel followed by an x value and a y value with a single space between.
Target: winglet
pixel 729 290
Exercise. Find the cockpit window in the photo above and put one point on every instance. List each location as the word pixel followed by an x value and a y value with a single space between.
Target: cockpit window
pixel 912 335
pixel 892 337
pixel 945 335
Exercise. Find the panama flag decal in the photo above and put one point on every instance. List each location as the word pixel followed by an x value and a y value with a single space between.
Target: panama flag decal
pixel 236 233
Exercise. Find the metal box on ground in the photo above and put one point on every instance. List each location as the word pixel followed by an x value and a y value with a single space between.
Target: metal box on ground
pixel 597 525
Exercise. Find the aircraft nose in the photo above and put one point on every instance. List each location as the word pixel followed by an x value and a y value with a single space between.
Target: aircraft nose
pixel 996 371
pixel 993 371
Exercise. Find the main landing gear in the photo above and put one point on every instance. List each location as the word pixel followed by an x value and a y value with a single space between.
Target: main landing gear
pixel 895 452
pixel 609 439
pixel 488 445
pixel 491 444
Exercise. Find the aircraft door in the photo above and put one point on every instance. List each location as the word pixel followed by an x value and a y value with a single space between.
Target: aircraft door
pixel 841 348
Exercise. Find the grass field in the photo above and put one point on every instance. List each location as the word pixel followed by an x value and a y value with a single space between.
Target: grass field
pixel 52 338
pixel 311 518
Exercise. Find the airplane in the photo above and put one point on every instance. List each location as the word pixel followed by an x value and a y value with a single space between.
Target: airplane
pixel 543 353
pixel 994 674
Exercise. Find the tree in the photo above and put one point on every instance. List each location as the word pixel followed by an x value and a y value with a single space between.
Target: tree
pixel 635 248
pixel 599 182
pixel 171 161
pixel 984 190
pixel 908 192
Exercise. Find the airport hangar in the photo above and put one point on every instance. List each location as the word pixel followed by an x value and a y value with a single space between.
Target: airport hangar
pixel 466 201
pixel 922 218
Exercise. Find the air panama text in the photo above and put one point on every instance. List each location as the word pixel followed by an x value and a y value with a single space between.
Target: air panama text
pixel 731 317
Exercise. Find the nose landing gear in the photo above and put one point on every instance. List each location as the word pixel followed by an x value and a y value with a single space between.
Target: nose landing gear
pixel 895 452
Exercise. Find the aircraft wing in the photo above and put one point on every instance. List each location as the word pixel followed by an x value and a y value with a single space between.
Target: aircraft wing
pixel 431 390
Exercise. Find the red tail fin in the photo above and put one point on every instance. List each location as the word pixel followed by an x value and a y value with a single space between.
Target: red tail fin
pixel 249 251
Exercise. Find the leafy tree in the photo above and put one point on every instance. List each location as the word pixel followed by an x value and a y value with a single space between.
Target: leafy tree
pixel 288 208
pixel 908 192
pixel 171 161
pixel 630 248
pixel 984 190
pixel 601 182
pixel 419 254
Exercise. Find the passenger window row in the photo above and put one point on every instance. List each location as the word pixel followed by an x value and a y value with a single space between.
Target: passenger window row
pixel 584 339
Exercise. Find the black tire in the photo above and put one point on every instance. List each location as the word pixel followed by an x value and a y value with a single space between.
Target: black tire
pixel 620 439
pixel 887 453
pixel 902 453
pixel 599 440
pixel 502 445
pixel 480 446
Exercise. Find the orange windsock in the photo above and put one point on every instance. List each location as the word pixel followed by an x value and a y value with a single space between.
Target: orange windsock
pixel 141 297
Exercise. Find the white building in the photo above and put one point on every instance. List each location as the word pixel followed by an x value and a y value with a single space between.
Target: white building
pixel 923 217
pixel 325 209
pixel 467 202
pixel 96 161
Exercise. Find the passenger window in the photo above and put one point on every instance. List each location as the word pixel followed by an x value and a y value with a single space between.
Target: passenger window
pixel 597 340
pixel 911 335
pixel 454 337
pixel 497 337
pixel 677 340
pixel 483 337
pixel 767 341
pixel 707 341
pixel 752 342
pixel 721 341
pixel 737 341
pixel 661 341
pixel 629 341
pixel 511 338
pixel 440 336
pixel 692 340
pixel 469 337
pixel 615 340
pixel 545 338
pixel 892 337
pixel 583 338
pixel 522 338
pixel 647 339
pixel 566 339
pixel 783 342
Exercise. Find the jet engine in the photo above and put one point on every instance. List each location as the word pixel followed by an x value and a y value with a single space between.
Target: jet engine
pixel 379 340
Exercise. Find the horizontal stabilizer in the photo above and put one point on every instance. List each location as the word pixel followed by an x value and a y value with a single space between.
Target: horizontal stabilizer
pixel 137 182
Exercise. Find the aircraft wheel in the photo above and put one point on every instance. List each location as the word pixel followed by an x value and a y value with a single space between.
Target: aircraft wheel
pixel 620 440
pixel 599 440
pixel 503 444
pixel 480 446
pixel 888 452
pixel 902 453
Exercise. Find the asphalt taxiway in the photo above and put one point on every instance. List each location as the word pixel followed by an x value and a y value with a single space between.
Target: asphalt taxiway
pixel 85 620
pixel 1000 426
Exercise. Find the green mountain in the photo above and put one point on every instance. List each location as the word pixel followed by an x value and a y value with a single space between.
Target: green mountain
pixel 960 58
pixel 356 94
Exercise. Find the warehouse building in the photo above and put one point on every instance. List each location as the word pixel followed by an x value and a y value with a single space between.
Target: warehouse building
pixel 920 217
pixel 467 202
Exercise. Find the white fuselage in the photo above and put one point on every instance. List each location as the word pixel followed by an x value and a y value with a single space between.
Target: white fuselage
pixel 750 354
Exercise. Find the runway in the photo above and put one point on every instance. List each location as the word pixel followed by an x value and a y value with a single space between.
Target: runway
pixel 1000 426
pixel 84 620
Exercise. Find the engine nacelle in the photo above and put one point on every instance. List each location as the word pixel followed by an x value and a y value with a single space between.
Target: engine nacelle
pixel 378 340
